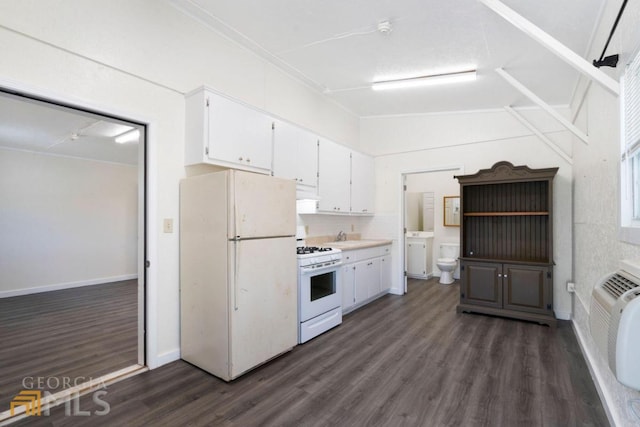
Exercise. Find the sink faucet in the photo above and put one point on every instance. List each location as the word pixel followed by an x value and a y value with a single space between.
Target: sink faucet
pixel 341 237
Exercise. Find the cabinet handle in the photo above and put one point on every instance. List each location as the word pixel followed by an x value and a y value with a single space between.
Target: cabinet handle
pixel 499 275
pixel 240 158
pixel 505 276
pixel 248 160
pixel 301 179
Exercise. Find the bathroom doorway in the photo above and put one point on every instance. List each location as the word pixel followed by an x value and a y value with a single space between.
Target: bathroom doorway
pixel 423 197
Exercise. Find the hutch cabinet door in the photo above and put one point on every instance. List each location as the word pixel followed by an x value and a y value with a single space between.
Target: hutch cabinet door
pixel 481 284
pixel 527 288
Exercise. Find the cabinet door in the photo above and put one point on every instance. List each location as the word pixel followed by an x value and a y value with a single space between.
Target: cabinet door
pixel 527 288
pixel 373 276
pixel 307 160
pixel 348 286
pixel 362 279
pixel 362 183
pixel 239 134
pixel 481 284
pixel 295 154
pixel 333 181
pixel 385 273
pixel 285 148
pixel 416 258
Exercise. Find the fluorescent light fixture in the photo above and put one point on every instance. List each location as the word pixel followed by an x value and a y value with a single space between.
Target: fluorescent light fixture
pixel 129 136
pixel 437 79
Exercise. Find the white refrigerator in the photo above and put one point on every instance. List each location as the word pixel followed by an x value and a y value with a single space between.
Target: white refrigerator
pixel 238 271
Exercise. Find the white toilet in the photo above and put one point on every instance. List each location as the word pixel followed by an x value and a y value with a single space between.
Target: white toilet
pixel 448 261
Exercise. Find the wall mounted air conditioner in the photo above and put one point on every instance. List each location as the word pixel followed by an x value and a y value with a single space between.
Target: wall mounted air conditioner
pixel 614 321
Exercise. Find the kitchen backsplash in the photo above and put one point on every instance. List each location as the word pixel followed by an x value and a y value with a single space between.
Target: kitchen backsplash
pixel 319 240
pixel 331 225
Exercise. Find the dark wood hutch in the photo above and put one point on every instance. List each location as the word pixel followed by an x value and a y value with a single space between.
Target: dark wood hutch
pixel 506 242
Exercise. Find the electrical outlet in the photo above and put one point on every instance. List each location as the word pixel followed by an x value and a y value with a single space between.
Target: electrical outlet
pixel 168 225
pixel 571 287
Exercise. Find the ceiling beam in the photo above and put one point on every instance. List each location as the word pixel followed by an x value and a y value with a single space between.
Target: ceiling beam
pixel 539 134
pixel 563 52
pixel 533 97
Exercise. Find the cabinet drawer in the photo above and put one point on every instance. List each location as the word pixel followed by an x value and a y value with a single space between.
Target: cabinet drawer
pixel 359 254
pixel 384 250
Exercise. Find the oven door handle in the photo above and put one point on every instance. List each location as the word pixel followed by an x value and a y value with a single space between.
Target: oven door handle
pixel 307 271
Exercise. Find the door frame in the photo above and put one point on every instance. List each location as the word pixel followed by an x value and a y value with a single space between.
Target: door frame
pixel 402 235
pixel 147 248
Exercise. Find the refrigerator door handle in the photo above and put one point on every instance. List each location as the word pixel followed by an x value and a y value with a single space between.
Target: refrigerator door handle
pixel 236 271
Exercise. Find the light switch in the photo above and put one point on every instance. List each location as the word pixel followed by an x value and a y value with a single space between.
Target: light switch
pixel 168 225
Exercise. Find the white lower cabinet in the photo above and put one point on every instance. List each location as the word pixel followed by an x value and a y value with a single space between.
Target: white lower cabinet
pixel 419 257
pixel 364 275
pixel 348 286
pixel 385 273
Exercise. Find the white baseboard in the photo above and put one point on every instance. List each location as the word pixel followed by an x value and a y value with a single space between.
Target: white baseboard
pixel 166 357
pixel 396 291
pixel 603 392
pixel 68 285
pixel 563 315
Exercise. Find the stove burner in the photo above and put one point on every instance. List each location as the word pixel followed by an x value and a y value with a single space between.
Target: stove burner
pixel 303 250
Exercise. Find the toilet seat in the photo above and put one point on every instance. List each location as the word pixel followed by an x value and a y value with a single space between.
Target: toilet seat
pixel 447 260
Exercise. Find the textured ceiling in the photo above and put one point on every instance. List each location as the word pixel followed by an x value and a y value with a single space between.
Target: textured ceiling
pixel 334 45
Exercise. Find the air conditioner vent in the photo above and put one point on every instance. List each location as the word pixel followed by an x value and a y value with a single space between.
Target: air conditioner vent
pixel 617 285
pixel 614 319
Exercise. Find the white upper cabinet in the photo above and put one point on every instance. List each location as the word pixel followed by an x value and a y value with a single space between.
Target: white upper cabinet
pixel 346 180
pixel 295 155
pixel 228 133
pixel 334 169
pixel 362 184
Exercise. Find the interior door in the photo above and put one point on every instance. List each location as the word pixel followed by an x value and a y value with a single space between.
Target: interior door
pixel 264 299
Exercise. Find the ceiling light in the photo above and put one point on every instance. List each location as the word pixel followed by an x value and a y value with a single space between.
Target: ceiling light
pixel 130 136
pixel 437 79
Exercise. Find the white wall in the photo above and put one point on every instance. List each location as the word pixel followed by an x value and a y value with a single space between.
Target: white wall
pixel 136 59
pixel 476 141
pixel 597 247
pixel 331 225
pixel 65 222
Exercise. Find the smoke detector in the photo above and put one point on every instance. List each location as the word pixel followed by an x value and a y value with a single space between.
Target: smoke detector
pixel 384 27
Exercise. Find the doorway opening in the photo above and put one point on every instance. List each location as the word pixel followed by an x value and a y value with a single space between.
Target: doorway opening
pixel 423 219
pixel 73 221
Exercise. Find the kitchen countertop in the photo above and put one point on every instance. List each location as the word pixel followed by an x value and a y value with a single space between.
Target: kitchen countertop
pixel 349 245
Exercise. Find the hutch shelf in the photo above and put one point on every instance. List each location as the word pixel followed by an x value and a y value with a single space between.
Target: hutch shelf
pixel 506 254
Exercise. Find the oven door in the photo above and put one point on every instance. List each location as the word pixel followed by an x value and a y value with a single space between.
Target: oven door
pixel 320 290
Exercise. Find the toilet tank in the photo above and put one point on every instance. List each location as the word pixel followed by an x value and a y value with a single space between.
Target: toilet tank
pixel 449 250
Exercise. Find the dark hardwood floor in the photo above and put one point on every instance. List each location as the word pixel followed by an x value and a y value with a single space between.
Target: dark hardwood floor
pixel 81 332
pixel 400 361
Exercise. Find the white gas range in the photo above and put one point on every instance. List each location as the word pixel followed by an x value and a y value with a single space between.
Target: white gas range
pixel 319 291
